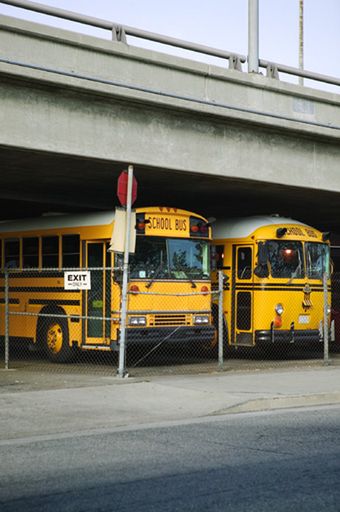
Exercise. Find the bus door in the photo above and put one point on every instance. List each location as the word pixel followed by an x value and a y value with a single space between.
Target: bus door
pixel 242 295
pixel 97 300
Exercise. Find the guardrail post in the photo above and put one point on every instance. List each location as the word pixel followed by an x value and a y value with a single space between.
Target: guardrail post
pixel 118 34
pixel 272 71
pixel 235 63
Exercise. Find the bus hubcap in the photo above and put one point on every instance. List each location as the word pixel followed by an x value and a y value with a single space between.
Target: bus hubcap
pixel 55 338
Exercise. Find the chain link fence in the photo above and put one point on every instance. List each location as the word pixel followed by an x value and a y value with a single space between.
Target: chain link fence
pixel 335 313
pixel 70 321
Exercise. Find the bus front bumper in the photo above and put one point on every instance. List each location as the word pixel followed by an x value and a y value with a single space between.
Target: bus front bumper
pixel 170 335
pixel 287 336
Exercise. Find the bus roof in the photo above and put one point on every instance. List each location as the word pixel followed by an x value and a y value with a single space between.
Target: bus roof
pixel 55 221
pixel 243 227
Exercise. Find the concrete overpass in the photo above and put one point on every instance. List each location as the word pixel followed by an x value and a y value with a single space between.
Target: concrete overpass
pixel 76 110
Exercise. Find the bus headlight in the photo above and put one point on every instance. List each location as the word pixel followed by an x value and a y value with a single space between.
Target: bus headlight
pixel 279 309
pixel 201 319
pixel 329 310
pixel 137 320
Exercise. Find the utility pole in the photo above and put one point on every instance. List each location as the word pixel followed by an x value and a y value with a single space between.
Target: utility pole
pixel 301 65
pixel 253 36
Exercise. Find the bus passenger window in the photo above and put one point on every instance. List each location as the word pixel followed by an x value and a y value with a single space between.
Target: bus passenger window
pixel 244 263
pixel 50 252
pixel 12 253
pixel 71 251
pixel 30 252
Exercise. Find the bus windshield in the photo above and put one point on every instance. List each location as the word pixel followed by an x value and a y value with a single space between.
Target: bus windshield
pixel 170 258
pixel 318 259
pixel 285 259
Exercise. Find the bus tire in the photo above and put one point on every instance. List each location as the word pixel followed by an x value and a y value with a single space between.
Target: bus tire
pixel 54 338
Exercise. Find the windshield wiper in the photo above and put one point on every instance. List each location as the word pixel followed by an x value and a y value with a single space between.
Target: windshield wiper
pixel 154 277
pixel 295 274
pixel 193 284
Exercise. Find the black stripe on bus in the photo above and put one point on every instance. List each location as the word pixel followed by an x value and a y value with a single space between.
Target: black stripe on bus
pixel 13 274
pixel 10 301
pixel 280 285
pixel 270 285
pixel 55 302
pixel 278 289
pixel 39 289
pixel 288 285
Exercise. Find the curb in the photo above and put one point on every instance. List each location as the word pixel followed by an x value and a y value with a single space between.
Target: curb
pixel 282 402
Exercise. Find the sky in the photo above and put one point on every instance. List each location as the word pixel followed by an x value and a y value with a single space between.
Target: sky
pixel 221 24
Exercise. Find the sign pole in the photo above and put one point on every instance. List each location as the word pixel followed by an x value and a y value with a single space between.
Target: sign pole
pixel 325 319
pixel 122 338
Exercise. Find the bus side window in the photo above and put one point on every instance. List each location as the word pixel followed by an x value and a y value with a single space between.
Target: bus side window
pixel 30 252
pixel 12 253
pixel 70 251
pixel 50 251
pixel 244 263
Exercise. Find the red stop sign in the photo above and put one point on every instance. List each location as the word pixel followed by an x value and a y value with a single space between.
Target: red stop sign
pixel 122 188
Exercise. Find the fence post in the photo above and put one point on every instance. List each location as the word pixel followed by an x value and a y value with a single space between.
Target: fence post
pixel 220 318
pixel 6 320
pixel 325 319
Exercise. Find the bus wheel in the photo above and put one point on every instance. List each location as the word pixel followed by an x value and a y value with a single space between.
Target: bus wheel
pixel 55 339
pixel 209 347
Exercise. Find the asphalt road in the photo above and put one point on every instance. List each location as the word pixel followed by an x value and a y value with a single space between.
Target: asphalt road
pixel 269 461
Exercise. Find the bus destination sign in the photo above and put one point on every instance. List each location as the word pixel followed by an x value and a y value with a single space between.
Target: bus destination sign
pixel 161 224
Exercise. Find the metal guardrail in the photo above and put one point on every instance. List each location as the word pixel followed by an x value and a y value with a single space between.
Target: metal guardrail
pixel 273 69
pixel 119 33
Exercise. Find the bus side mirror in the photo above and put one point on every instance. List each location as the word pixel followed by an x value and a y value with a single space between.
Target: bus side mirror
pixel 225 282
pixel 261 269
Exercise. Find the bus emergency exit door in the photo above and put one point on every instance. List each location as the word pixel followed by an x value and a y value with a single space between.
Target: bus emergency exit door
pixel 242 296
pixel 97 300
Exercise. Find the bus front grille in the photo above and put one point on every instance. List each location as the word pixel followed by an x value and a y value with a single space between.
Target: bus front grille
pixel 159 320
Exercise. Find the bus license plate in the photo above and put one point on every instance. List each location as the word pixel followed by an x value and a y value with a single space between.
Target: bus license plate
pixel 304 319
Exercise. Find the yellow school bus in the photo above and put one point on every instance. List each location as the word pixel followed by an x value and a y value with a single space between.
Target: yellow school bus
pixel 172 256
pixel 273 284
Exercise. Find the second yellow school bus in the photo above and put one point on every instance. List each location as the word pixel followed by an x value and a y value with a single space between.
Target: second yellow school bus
pixel 172 256
pixel 273 290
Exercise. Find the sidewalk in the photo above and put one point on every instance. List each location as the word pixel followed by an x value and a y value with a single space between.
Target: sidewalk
pixel 107 403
